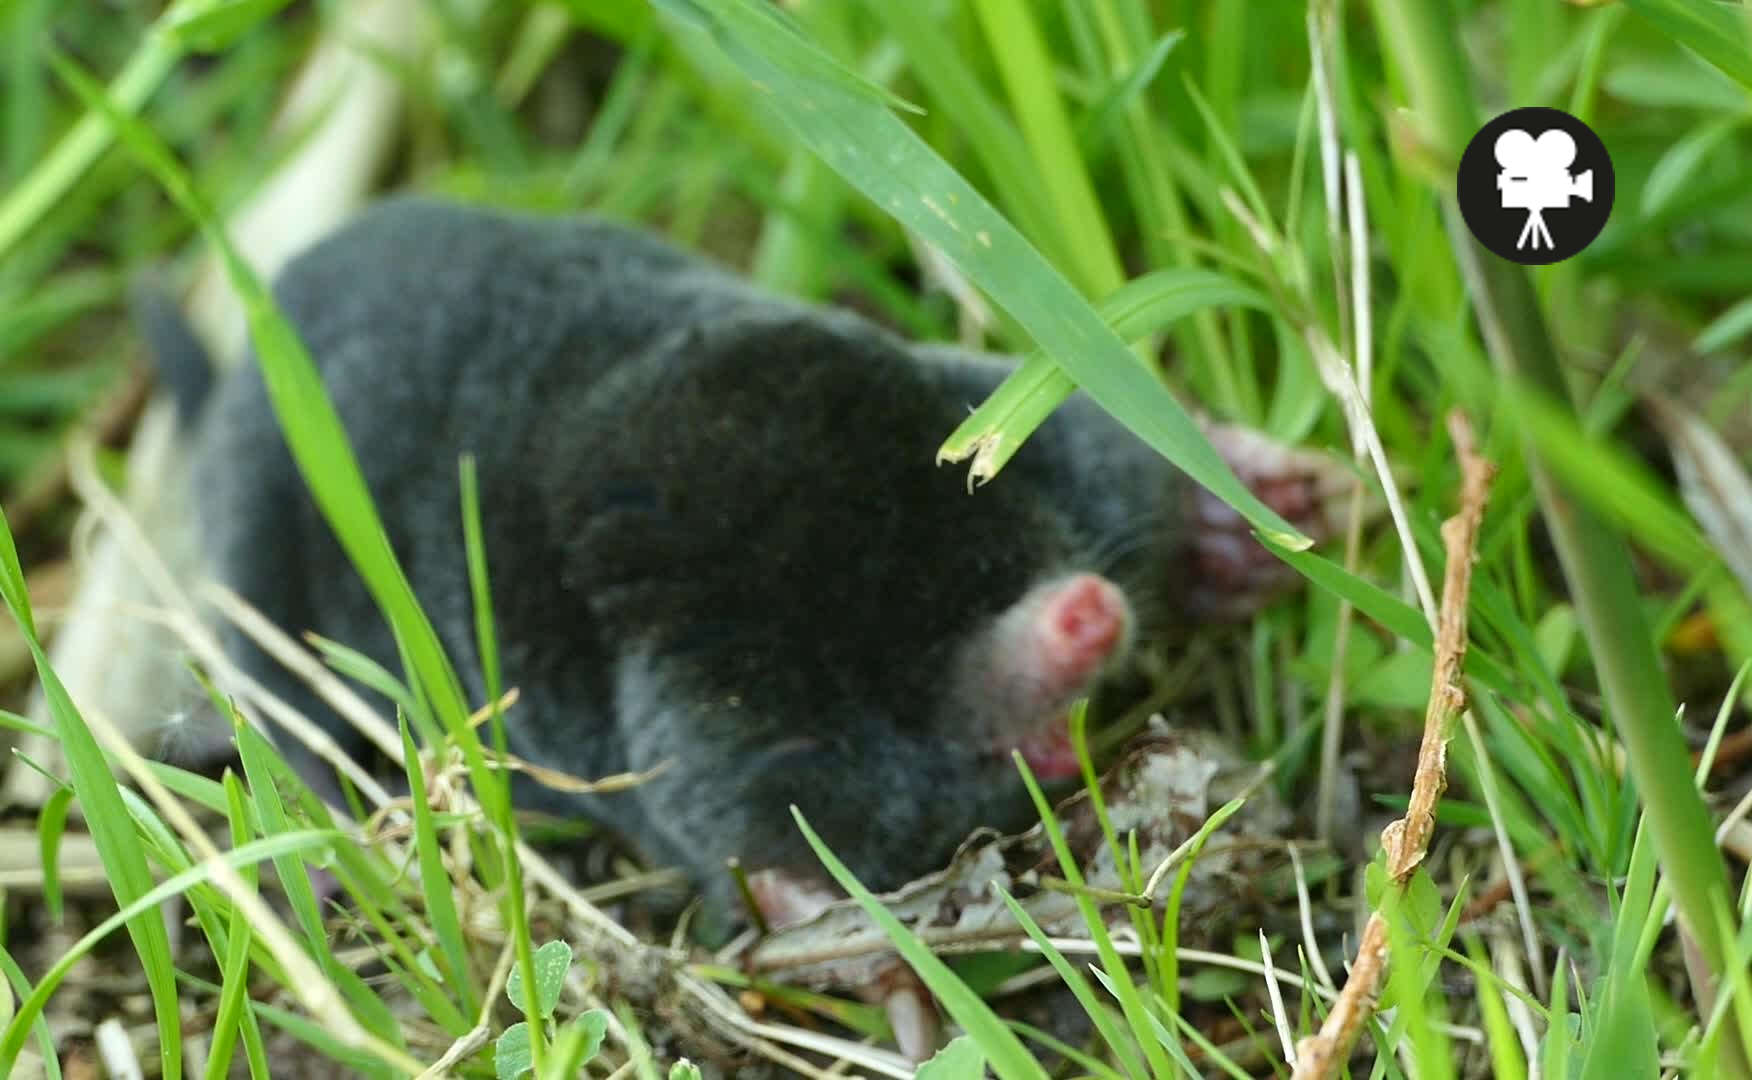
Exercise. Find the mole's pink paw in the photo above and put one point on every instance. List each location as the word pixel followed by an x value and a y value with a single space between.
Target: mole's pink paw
pixel 784 899
pixel 1233 575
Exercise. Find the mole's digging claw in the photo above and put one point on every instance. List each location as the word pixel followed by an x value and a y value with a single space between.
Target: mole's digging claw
pixel 1235 575
pixel 911 1013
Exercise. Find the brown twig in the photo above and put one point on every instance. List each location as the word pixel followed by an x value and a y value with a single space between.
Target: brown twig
pixel 1407 840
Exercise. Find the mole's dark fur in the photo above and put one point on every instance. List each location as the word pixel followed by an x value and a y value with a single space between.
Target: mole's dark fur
pixel 715 531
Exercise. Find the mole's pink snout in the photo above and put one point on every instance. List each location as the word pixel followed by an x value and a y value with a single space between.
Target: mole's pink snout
pixel 1083 622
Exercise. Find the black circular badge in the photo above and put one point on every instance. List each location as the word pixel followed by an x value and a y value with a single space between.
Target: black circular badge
pixel 1535 185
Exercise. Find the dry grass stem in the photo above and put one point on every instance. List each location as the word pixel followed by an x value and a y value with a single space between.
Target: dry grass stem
pixel 1280 1016
pixel 1305 911
pixel 1407 840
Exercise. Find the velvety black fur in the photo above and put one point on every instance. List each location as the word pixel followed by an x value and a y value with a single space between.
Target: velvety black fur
pixel 715 529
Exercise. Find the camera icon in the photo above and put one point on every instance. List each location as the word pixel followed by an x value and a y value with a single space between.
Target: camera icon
pixel 1536 177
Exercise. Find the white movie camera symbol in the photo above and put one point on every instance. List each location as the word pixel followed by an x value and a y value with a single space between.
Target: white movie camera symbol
pixel 1536 178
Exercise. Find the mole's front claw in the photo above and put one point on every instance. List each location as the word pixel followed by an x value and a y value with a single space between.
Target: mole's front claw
pixel 1233 575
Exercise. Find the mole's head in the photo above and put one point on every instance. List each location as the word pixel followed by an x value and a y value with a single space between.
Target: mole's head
pixel 822 616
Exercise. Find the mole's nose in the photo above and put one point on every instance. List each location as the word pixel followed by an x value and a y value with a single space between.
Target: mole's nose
pixel 1083 621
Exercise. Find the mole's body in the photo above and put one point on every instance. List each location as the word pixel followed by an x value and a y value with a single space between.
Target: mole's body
pixel 715 532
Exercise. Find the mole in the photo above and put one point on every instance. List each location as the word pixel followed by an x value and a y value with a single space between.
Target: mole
pixel 717 538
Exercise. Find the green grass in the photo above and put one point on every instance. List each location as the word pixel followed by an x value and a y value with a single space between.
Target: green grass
pixel 1112 176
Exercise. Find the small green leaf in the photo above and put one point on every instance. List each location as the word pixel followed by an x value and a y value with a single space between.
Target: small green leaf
pixel 551 963
pixel 1214 984
pixel 684 1070
pixel 594 1025
pixel 577 1045
pixel 511 1054
pixel 962 1059
pixel 1400 681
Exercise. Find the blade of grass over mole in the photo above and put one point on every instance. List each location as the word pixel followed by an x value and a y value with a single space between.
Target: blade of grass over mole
pixel 255 753
pixel 496 798
pixel 362 669
pixel 196 789
pixel 1143 306
pixel 1183 874
pixel 259 761
pixel 435 884
pixel 112 831
pixel 312 428
pixel 942 70
pixel 1009 1058
pixel 326 461
pixel 862 140
pixel 1125 858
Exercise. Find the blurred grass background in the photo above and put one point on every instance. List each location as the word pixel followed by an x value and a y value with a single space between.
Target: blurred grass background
pixel 1128 142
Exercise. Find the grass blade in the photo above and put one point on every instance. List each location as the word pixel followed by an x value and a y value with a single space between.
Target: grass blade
pixel 111 829
pixel 233 1016
pixel 862 140
pixel 1719 33
pixel 1116 1038
pixel 435 882
pixel 1009 1058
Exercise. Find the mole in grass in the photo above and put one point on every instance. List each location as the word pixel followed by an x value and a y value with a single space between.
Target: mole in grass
pixel 716 536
